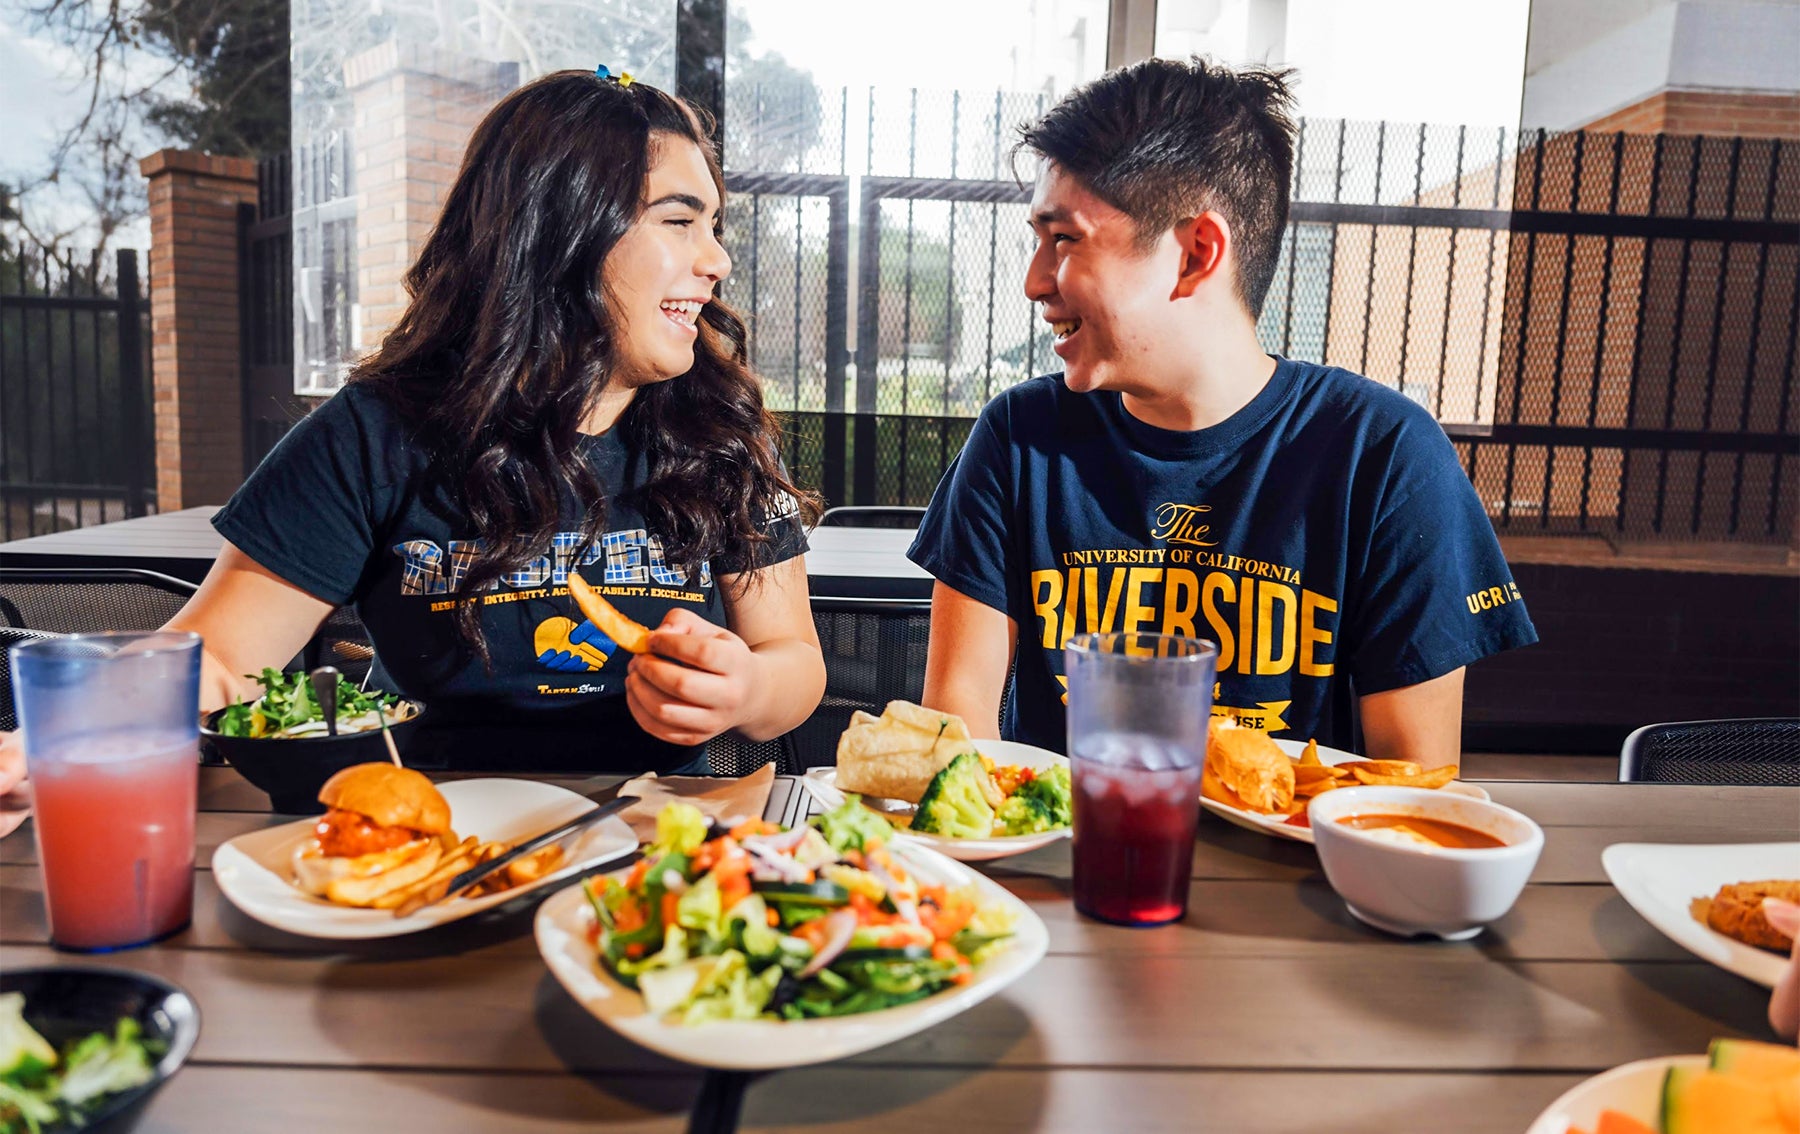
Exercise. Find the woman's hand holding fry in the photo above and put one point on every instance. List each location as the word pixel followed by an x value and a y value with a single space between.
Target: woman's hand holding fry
pixel 697 681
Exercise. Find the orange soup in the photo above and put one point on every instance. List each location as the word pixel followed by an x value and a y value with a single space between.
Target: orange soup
pixel 1417 828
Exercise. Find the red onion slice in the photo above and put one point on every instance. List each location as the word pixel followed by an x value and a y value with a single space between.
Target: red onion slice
pixel 840 928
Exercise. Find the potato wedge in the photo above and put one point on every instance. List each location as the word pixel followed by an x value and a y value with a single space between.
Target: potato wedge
pixel 1436 778
pixel 1386 767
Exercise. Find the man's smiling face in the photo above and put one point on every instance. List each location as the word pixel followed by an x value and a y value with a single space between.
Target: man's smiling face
pixel 1106 296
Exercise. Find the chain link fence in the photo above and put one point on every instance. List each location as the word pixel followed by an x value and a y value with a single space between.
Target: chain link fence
pixel 1604 323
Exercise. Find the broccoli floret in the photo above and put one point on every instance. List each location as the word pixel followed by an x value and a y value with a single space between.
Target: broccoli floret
pixel 1021 815
pixel 955 804
pixel 1050 788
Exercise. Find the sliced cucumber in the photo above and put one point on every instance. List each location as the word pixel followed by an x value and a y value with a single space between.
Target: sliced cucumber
pixel 820 893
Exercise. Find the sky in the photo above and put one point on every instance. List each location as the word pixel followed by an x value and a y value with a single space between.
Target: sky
pixel 1400 60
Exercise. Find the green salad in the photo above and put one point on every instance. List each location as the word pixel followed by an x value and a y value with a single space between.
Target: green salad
pixel 755 921
pixel 290 708
pixel 44 1090
pixel 971 798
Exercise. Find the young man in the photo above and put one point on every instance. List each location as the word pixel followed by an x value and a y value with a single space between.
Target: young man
pixel 1177 479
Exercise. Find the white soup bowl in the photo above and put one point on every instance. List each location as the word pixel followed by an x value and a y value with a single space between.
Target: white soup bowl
pixel 1412 889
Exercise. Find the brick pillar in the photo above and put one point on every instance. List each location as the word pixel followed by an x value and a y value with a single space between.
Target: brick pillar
pixel 198 383
pixel 415 108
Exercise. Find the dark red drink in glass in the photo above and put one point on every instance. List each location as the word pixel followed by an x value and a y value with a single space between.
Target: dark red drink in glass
pixel 1135 809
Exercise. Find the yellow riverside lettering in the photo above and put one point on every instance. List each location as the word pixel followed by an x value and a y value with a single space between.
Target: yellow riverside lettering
pixel 1262 626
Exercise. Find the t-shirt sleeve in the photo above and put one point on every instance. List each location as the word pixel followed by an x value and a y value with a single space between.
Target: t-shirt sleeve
pixel 1436 592
pixel 965 539
pixel 308 511
pixel 780 521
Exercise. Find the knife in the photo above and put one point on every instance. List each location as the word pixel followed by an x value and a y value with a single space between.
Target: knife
pixel 431 895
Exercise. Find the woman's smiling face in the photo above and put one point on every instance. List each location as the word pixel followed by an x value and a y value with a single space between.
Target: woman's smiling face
pixel 666 267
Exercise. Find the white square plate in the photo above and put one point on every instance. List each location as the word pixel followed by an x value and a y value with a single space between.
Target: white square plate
pixel 254 870
pixel 565 927
pixel 1278 825
pixel 1660 880
pixel 821 783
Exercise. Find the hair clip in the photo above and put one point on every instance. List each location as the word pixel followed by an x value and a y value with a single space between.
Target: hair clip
pixel 623 78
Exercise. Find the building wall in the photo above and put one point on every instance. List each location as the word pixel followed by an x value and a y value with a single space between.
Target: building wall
pixel 1725 114
pixel 1589 60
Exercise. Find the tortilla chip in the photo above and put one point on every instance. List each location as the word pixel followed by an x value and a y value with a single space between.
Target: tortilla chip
pixel 948 726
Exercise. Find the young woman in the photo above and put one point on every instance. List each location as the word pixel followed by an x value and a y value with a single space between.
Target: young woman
pixel 565 393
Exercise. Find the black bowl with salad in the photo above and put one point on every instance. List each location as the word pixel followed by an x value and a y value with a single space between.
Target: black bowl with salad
pixel 281 742
pixel 85 1048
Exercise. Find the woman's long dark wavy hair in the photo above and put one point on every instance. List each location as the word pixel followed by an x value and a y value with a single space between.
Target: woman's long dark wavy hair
pixel 508 342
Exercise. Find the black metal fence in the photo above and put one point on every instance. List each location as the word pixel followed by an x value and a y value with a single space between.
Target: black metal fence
pixel 1603 323
pixel 266 310
pixel 76 426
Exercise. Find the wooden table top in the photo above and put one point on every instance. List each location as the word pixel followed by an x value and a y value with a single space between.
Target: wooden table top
pixel 844 562
pixel 1267 1009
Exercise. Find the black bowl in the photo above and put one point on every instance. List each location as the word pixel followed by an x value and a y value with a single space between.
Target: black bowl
pixel 67 1002
pixel 293 769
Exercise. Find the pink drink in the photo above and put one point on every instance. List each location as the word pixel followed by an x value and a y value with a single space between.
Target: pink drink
pixel 114 814
pixel 1135 810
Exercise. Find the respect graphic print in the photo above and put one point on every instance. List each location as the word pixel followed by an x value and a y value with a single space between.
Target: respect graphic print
pixel 634 568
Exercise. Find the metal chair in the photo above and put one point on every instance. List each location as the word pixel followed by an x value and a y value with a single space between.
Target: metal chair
pixel 731 755
pixel 1751 751
pixel 76 600
pixel 873 516
pixel 874 653
pixel 11 636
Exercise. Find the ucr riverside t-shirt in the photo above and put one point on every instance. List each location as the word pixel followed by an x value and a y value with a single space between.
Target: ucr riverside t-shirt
pixel 1324 536
pixel 343 508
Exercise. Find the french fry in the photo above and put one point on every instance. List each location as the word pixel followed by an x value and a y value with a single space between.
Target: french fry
pixel 534 866
pixel 448 867
pixel 1310 788
pixel 496 882
pixel 631 636
pixel 1385 767
pixel 1309 756
pixel 1313 773
pixel 1436 778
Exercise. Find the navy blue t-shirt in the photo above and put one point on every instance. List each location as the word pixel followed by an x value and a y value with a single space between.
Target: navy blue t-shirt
pixel 345 508
pixel 1324 536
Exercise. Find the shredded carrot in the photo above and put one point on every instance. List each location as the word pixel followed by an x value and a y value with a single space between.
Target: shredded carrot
pixel 733 892
pixel 774 917
pixel 671 905
pixel 636 878
pixel 947 913
pixel 629 916
pixel 754 827
pixel 705 856
pixel 635 950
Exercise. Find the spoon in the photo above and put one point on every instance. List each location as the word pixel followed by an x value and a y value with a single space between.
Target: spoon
pixel 325 683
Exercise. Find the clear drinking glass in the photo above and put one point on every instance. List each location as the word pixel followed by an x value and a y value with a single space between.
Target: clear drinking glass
pixel 1138 708
pixel 110 724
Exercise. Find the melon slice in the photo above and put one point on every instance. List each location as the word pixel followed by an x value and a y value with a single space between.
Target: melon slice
pixel 1767 1062
pixel 1699 1101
